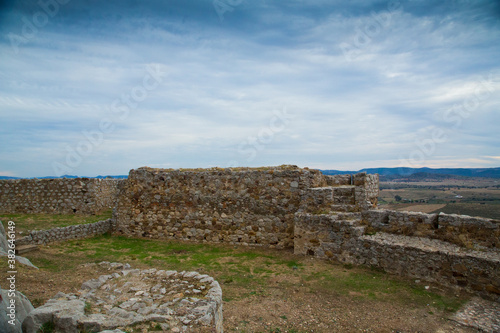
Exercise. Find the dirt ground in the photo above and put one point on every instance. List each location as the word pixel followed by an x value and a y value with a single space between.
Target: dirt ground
pixel 284 305
pixel 428 208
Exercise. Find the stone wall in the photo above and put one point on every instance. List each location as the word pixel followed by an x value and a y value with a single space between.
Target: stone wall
pixel 367 189
pixel 345 237
pixel 66 233
pixel 245 206
pixel 470 232
pixel 54 196
pixel 344 193
pixel 332 217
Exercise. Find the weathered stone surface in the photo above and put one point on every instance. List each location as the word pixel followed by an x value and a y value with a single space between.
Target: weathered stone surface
pixel 4 245
pixel 465 231
pixel 64 233
pixel 5 249
pixel 480 314
pixel 79 195
pixel 14 307
pixel 240 206
pixel 91 284
pixel 338 180
pixel 64 313
pixel 341 237
pixel 123 300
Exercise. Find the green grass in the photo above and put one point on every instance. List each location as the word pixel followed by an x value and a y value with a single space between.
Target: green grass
pixel 246 272
pixel 242 272
pixel 486 209
pixel 47 327
pixel 381 286
pixel 51 265
pixel 28 222
pixel 88 308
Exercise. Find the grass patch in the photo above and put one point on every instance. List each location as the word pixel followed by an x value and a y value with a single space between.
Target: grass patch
pixel 28 222
pixel 48 264
pixel 376 285
pixel 243 272
pixel 47 327
pixel 247 272
pixel 435 300
pixel 486 209
pixel 88 308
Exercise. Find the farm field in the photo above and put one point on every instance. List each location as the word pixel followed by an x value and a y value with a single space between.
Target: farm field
pixel 466 196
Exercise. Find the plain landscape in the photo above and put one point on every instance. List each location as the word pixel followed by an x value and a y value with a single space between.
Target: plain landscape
pixel 465 191
pixel 448 194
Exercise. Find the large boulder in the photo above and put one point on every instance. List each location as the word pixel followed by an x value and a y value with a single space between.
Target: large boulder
pixel 4 248
pixel 14 308
pixel 4 245
pixel 64 313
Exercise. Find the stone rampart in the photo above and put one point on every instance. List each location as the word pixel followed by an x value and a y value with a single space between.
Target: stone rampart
pixel 55 196
pixel 332 217
pixel 245 206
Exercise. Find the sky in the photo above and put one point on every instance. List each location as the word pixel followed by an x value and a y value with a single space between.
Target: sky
pixel 101 87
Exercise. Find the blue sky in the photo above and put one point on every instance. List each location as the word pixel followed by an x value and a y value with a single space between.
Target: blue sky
pixel 101 87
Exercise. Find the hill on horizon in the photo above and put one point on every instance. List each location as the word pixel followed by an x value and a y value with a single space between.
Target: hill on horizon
pixel 387 173
pixel 407 172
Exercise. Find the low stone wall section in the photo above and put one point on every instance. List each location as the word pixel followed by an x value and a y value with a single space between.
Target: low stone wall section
pixel 323 235
pixel 58 196
pixel 470 232
pixel 66 233
pixel 147 300
pixel 431 260
pixel 342 238
pixel 338 180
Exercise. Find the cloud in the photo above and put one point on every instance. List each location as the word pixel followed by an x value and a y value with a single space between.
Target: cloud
pixel 225 79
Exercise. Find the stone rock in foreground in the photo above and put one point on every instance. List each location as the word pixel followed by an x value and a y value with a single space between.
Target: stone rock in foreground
pixel 148 299
pixel 480 314
pixel 11 316
pixel 4 248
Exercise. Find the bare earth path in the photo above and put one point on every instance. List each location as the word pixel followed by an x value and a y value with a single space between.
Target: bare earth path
pixel 428 208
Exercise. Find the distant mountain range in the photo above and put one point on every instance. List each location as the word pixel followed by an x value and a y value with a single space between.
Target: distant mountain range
pixel 386 173
pixel 393 173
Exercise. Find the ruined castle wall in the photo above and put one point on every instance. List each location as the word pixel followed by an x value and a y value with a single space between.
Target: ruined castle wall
pixel 245 206
pixel 470 232
pixel 331 217
pixel 339 237
pixel 367 189
pixel 338 180
pixel 343 193
pixel 431 260
pixel 54 196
